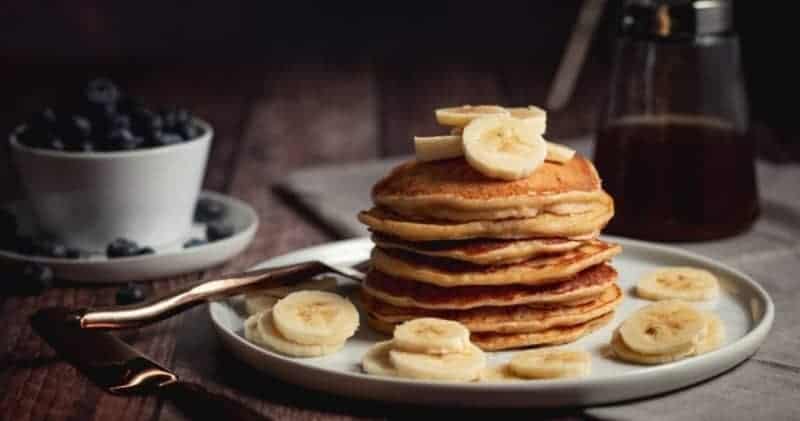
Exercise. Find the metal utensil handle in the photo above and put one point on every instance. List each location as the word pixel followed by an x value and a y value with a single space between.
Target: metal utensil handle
pixel 142 314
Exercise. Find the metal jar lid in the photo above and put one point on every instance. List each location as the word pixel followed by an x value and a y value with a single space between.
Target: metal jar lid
pixel 675 19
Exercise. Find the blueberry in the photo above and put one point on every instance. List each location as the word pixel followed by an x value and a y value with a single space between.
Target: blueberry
pixel 194 242
pixel 80 127
pixel 55 143
pixel 218 230
pixel 160 138
pixel 120 121
pixel 101 92
pixel 130 294
pixel 145 250
pixel 122 247
pixel 175 117
pixel 37 278
pixel 146 121
pixel 123 139
pixel 208 210
pixel 85 146
pixel 189 131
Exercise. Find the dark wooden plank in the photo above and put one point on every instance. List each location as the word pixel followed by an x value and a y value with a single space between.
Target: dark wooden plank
pixel 304 115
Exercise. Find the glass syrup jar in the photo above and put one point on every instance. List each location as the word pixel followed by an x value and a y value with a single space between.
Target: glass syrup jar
pixel 672 146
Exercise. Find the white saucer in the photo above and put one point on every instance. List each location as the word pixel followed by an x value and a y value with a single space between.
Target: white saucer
pixel 744 306
pixel 166 261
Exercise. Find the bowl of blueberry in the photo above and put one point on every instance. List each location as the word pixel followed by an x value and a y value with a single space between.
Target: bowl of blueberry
pixel 107 166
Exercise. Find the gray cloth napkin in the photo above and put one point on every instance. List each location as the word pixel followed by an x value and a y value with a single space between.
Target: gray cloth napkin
pixel 765 387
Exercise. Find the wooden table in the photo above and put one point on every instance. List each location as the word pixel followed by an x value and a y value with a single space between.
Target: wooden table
pixel 268 121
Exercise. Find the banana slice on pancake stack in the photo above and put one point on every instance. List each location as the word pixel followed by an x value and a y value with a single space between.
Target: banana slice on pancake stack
pixel 496 228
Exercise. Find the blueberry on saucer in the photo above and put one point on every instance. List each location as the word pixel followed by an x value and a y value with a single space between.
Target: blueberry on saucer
pixel 218 230
pixel 194 242
pixel 208 210
pixel 122 247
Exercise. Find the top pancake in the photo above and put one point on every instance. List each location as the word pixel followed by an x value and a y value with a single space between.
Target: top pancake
pixel 453 190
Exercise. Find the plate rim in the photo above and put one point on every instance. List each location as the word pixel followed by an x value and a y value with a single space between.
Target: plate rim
pixel 732 351
pixel 245 235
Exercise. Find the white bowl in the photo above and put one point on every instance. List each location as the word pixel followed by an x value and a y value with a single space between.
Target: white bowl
pixel 87 199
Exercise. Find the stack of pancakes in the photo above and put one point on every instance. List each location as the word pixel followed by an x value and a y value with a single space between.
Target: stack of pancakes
pixel 517 262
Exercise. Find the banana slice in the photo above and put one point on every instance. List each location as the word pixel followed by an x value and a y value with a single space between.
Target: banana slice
pixel 503 147
pixel 679 283
pixel 461 116
pixel 270 337
pixel 625 353
pixel 376 360
pixel 664 327
pixel 461 366
pixel 501 373
pixel 258 301
pixel 558 153
pixel 315 318
pixel 251 330
pixel 532 115
pixel 435 148
pixel 430 335
pixel 715 335
pixel 549 363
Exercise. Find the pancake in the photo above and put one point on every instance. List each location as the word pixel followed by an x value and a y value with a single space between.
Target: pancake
pixel 484 251
pixel 542 225
pixel 451 273
pixel 490 341
pixel 510 319
pixel 577 289
pixel 453 190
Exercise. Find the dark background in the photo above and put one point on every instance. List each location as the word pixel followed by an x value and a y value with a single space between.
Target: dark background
pixel 198 54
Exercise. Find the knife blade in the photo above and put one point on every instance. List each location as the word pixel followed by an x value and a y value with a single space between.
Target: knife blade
pixel 120 369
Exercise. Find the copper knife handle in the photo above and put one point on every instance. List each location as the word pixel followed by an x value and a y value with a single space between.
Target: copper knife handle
pixel 138 315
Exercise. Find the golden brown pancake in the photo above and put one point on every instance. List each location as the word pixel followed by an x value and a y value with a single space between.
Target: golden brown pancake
pixel 542 225
pixel 483 251
pixel 491 341
pixel 451 273
pixel 509 319
pixel 453 190
pixel 574 290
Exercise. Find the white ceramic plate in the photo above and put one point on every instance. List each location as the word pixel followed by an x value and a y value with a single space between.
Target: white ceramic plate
pixel 744 306
pixel 166 261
